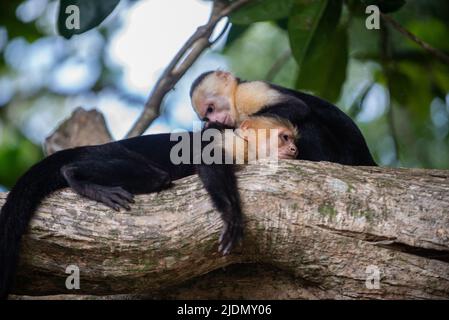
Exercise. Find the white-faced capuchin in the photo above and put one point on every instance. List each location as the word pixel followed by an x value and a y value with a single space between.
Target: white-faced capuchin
pixel 113 172
pixel 327 133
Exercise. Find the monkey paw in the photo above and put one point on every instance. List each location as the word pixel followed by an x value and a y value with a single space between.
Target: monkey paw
pixel 230 236
pixel 114 197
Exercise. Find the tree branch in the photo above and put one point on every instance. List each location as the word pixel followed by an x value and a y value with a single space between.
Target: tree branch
pixel 320 224
pixel 435 52
pixel 182 61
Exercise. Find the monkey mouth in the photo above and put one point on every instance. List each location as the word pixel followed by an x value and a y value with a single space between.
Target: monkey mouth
pixel 288 156
pixel 227 121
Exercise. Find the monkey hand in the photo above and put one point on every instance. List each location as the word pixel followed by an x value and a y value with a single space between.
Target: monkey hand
pixel 113 197
pixel 230 236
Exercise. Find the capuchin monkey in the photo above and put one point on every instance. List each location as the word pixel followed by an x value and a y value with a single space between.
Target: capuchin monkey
pixel 327 133
pixel 114 172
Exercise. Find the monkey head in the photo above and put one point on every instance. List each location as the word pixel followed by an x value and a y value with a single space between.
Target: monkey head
pixel 212 95
pixel 219 96
pixel 287 135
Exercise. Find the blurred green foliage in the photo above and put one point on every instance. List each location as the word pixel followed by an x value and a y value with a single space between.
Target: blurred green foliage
pixel 17 154
pixel 28 97
pixel 397 92
pixel 16 27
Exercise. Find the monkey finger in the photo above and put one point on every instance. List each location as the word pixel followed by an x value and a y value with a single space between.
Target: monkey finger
pixel 226 244
pixel 124 194
pixel 229 246
pixel 222 245
pixel 121 202
pixel 223 232
pixel 109 203
pixel 114 201
pixel 231 237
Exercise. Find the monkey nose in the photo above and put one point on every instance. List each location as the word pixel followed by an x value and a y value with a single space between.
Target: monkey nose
pixel 294 151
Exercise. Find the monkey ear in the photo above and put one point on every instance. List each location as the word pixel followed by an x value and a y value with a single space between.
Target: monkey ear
pixel 245 125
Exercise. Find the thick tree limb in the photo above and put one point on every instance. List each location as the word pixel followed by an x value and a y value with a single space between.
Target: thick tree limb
pixel 322 224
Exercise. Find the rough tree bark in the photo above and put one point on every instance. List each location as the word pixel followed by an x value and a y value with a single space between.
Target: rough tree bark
pixel 82 128
pixel 312 229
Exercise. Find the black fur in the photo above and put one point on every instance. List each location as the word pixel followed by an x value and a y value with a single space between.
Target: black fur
pixel 112 173
pixel 326 133
pixel 198 81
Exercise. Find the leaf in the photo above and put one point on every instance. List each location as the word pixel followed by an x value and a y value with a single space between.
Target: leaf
pixel 323 71
pixel 363 43
pixel 417 93
pixel 311 24
pixel 282 23
pixel 262 10
pixel 398 84
pixel 356 7
pixel 386 6
pixel 319 46
pixel 91 14
pixel 441 74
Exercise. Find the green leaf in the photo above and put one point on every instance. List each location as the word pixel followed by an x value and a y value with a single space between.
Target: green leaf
pixel 262 10
pixel 323 71
pixel 310 26
pixel 417 93
pixel 441 74
pixel 319 46
pixel 356 7
pixel 385 6
pixel 398 84
pixel 91 14
pixel 282 23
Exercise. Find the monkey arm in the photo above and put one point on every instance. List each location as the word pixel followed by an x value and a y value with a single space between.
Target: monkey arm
pixel 221 183
pixel 113 182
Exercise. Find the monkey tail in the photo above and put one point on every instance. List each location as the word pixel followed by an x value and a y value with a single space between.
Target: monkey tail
pixel 16 213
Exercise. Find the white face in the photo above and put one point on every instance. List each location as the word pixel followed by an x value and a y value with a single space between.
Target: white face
pixel 213 99
pixel 270 137
pixel 217 109
pixel 286 144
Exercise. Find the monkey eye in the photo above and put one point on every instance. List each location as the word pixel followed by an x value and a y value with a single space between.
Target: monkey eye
pixel 285 137
pixel 210 108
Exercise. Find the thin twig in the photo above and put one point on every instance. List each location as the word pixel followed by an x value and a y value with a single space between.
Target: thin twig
pixel 435 52
pixel 278 65
pixel 182 61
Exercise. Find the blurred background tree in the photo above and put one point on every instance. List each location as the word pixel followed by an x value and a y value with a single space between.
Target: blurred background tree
pixel 396 91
